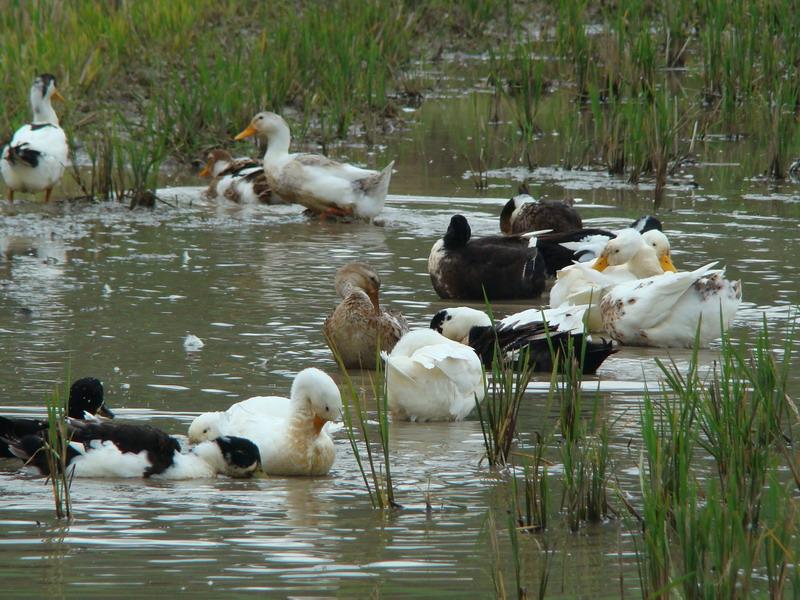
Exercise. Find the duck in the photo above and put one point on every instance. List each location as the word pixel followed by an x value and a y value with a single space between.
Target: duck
pixel 124 450
pixel 359 327
pixel 665 311
pixel 239 180
pixel 290 432
pixel 539 331
pixel 432 378
pixel 85 400
pixel 560 250
pixel 494 267
pixel 523 214
pixel 324 186
pixel 629 256
pixel 36 156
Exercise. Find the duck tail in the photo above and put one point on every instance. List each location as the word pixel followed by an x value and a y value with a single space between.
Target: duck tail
pixel 382 184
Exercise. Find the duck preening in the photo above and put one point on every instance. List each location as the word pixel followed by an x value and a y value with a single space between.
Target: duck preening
pixel 432 378
pixel 85 399
pixel 523 214
pixel 289 432
pixel 108 449
pixel 36 156
pixel 542 333
pixel 322 185
pixel 494 267
pixel 359 327
pixel 239 180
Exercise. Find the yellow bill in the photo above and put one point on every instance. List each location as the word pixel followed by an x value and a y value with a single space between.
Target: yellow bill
pixel 56 95
pixel 206 172
pixel 666 263
pixel 246 133
pixel 601 264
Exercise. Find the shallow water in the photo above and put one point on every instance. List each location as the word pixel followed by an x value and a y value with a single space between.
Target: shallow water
pixel 100 290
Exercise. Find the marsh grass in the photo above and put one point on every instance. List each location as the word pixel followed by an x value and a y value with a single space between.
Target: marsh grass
pixel 715 536
pixel 55 449
pixel 373 465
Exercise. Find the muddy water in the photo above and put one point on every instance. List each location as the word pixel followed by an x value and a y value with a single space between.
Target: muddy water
pixel 98 290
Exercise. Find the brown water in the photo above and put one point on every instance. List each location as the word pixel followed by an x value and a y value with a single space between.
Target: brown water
pixel 100 290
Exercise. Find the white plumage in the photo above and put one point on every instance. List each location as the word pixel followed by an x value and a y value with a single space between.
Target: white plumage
pixel 432 378
pixel 289 432
pixel 664 311
pixel 35 158
pixel 317 182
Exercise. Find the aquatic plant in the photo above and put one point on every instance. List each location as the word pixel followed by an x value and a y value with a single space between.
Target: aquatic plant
pixel 377 466
pixel 55 451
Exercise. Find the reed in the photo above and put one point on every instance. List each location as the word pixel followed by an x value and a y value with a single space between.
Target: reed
pixel 55 449
pixel 375 469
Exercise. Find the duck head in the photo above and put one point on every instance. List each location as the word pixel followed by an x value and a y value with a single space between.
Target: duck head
pixel 659 242
pixel 458 232
pixel 86 395
pixel 646 223
pixel 361 276
pixel 318 393
pixel 42 92
pixel 456 323
pixel 266 125
pixel 205 427
pixel 241 456
pixel 619 250
pixel 216 161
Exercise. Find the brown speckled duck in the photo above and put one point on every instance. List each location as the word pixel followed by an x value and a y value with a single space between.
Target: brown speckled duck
pixel 358 328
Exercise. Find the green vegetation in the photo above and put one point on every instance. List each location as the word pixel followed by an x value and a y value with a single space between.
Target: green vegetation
pixel 55 449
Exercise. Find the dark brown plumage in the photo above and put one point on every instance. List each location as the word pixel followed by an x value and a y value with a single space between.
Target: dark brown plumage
pixel 523 214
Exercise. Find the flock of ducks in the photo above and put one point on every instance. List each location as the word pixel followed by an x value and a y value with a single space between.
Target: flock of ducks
pixel 620 284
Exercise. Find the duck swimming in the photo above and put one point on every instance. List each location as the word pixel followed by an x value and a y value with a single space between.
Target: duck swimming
pixel 239 180
pixel 36 156
pixel 359 327
pixel 432 378
pixel 124 450
pixel 289 432
pixel 665 311
pixel 85 400
pixel 523 214
pixel 540 332
pixel 504 267
pixel 320 184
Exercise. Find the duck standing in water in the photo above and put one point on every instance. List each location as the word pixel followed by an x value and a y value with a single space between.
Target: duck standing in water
pixel 359 327
pixel 239 180
pixel 35 158
pixel 322 185
pixel 502 267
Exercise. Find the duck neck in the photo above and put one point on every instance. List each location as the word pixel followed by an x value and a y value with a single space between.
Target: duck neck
pixel 645 264
pixel 42 109
pixel 278 145
pixel 305 424
pixel 210 454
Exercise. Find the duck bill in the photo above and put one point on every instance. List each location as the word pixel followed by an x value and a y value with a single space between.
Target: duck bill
pixel 601 264
pixel 56 95
pixel 319 423
pixel 206 172
pixel 250 131
pixel 104 411
pixel 666 263
pixel 373 297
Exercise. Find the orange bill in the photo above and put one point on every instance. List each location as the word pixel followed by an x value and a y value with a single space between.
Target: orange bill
pixel 246 133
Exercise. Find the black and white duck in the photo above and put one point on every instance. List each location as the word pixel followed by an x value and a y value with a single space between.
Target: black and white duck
pixel 36 156
pixel 108 449
pixel 529 330
pixel 523 214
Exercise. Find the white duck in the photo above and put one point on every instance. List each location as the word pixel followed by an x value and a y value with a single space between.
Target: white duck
pixel 288 431
pixel 628 257
pixel 432 378
pixel 664 311
pixel 320 184
pixel 35 158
